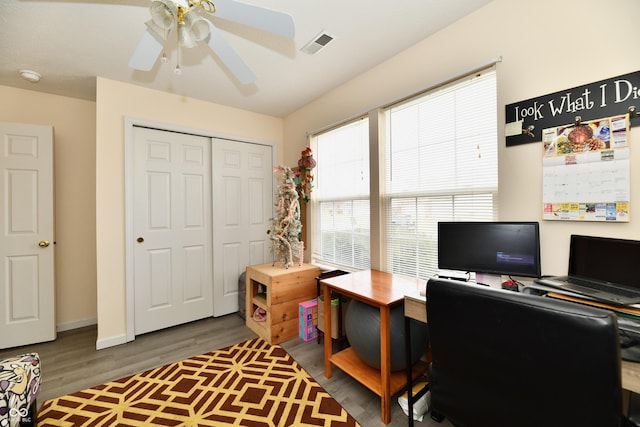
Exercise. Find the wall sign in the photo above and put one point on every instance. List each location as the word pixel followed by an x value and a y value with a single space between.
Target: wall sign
pixel 606 98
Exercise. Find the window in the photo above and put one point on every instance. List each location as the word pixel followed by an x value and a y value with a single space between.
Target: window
pixel 340 200
pixel 441 165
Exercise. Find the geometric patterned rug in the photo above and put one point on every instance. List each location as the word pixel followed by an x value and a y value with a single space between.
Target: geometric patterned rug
pixel 251 384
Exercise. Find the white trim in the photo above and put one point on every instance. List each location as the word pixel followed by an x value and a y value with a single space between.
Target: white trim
pixel 132 121
pixel 129 123
pixel 111 342
pixel 76 324
pixel 128 228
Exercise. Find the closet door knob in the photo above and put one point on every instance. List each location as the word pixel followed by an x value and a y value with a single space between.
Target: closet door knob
pixel 139 240
pixel 43 243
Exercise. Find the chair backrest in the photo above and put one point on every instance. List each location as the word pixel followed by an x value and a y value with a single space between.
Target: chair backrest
pixel 501 358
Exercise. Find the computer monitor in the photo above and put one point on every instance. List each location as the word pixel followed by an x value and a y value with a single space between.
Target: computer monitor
pixel 605 259
pixel 492 248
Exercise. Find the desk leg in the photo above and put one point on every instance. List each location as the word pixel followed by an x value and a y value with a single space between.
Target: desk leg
pixel 407 349
pixel 385 363
pixel 327 331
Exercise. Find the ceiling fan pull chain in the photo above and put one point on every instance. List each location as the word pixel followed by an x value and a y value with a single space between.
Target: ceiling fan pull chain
pixel 164 58
pixel 177 71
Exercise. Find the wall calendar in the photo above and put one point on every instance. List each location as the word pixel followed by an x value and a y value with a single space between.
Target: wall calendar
pixel 586 171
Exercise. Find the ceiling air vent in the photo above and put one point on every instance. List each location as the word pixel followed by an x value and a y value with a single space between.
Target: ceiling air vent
pixel 318 42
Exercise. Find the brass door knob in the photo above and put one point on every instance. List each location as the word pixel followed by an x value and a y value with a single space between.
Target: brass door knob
pixel 43 243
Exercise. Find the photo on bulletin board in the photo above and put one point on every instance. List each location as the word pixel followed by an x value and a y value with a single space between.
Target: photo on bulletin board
pixel 586 171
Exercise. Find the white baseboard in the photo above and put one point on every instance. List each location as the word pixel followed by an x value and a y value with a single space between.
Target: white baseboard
pixel 100 343
pixel 111 341
pixel 76 324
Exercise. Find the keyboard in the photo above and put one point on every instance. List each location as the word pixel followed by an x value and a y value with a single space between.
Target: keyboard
pixel 604 287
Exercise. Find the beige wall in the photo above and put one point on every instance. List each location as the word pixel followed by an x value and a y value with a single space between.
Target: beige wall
pixel 115 101
pixel 74 127
pixel 546 46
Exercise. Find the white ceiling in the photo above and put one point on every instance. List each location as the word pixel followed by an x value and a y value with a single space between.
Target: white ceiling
pixel 70 42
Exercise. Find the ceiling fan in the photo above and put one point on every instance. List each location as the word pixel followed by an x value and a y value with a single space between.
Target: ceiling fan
pixel 184 20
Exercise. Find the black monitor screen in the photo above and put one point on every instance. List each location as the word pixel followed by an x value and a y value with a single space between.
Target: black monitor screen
pixel 506 248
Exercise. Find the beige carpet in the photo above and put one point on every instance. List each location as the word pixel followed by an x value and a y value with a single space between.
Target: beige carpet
pixel 249 384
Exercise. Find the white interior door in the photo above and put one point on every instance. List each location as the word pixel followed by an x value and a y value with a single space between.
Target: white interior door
pixel 27 304
pixel 242 208
pixel 172 227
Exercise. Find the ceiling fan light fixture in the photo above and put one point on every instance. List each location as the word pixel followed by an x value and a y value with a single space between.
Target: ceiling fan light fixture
pixel 197 26
pixel 30 75
pixel 192 29
pixel 164 13
pixel 184 36
pixel 205 5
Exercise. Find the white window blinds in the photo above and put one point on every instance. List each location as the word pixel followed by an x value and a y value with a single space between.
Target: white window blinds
pixel 441 165
pixel 340 199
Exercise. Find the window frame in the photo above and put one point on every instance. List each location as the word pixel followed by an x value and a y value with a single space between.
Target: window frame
pixel 377 153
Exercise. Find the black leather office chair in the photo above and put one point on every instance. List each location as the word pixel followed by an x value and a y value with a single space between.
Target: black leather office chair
pixel 503 359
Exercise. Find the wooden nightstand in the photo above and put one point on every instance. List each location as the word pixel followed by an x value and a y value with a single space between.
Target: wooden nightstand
pixel 278 291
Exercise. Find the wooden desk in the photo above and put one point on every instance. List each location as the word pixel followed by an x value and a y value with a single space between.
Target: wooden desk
pixel 382 290
pixel 415 308
pixel 631 376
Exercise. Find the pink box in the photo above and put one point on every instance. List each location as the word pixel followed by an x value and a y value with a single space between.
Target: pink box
pixel 308 319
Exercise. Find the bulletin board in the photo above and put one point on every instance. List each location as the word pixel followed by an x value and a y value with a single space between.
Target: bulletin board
pixel 586 171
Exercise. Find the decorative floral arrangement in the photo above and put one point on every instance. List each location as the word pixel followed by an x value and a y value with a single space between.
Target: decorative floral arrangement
pixel 302 175
pixel 286 226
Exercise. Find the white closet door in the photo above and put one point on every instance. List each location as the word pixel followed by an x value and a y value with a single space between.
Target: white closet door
pixel 172 228
pixel 242 209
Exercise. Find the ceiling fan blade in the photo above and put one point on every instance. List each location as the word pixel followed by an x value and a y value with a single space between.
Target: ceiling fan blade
pixel 255 16
pixel 146 52
pixel 229 56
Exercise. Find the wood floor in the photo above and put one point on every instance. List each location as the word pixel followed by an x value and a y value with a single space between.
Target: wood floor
pixel 71 363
